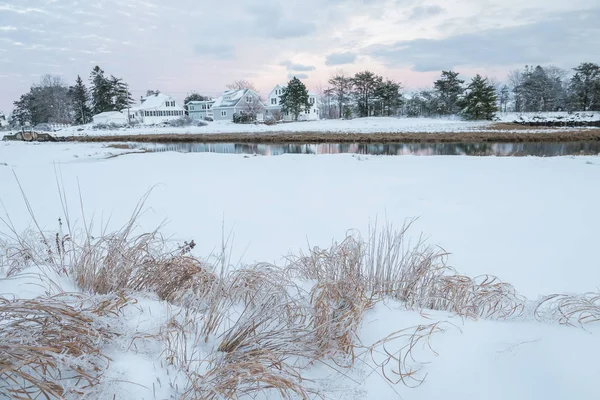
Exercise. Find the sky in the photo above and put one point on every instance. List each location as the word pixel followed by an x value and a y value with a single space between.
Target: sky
pixel 179 46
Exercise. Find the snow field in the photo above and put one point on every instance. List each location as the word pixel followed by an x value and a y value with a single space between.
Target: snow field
pixel 530 221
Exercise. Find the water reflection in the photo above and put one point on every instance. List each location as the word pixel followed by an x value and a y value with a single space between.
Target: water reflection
pixel 547 149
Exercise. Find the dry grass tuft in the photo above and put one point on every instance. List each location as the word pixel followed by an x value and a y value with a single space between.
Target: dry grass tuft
pixel 388 265
pixel 395 364
pixel 51 346
pixel 580 309
pixel 338 310
pixel 236 375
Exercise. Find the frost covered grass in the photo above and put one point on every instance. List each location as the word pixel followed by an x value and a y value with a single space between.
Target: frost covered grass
pixel 386 315
pixel 234 331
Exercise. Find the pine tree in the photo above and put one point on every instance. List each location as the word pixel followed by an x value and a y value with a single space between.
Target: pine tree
pixel 585 87
pixel 340 91
pixel 448 89
pixel 193 96
pixel 388 97
pixel 479 102
pixel 80 99
pixel 365 83
pixel 101 91
pixel 295 98
pixel 22 111
pixel 120 95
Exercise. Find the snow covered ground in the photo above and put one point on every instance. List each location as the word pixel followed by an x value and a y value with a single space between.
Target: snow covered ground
pixel 359 125
pixel 580 116
pixel 533 222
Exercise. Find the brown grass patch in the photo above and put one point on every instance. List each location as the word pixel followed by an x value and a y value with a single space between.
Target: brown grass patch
pixel 51 346
pixel 498 133
pixel 574 309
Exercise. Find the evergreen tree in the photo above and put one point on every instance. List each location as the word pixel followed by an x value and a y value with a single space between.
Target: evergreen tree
pixel 80 99
pixel 365 83
pixel 388 97
pixel 101 91
pixel 21 113
pixel 295 98
pixel 193 96
pixel 480 100
pixel 120 95
pixel 585 87
pixel 448 89
pixel 341 87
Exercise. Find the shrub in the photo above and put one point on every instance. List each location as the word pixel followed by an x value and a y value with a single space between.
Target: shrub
pixel 110 125
pixel 244 118
pixel 183 121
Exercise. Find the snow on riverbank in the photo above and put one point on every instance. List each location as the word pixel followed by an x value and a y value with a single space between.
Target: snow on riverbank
pixel 359 125
pixel 562 116
pixel 531 221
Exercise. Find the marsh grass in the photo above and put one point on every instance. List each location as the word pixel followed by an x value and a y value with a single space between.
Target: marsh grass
pixel 238 331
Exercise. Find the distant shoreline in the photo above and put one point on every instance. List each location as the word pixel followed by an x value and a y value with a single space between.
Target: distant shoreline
pixel 500 133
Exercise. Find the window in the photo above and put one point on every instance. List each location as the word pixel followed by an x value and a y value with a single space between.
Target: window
pixel 223 113
pixel 173 103
pixel 204 106
pixel 209 106
pixel 311 100
pixel 191 108
pixel 248 99
pixel 273 101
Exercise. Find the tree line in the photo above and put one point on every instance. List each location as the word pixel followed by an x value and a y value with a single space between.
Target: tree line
pixel 52 100
pixel 532 89
pixel 366 94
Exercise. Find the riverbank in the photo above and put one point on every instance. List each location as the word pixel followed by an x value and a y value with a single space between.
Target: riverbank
pixel 499 133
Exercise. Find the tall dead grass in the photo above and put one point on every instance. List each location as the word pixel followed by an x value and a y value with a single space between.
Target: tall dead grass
pixel 387 265
pixel 247 330
pixel 52 347
pixel 571 309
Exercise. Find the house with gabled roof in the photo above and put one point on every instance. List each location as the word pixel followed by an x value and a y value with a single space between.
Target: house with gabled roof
pixel 273 107
pixel 200 109
pixel 237 102
pixel 156 109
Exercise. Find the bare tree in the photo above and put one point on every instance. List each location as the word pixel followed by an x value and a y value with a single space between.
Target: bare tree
pixel 253 107
pixel 241 84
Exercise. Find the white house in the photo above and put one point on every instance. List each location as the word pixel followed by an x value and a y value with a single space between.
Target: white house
pixel 156 109
pixel 273 106
pixel 238 102
pixel 110 117
pixel 200 109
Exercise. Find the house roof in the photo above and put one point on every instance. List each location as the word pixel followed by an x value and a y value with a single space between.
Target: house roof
pixel 157 101
pixel 231 98
pixel 110 114
pixel 200 102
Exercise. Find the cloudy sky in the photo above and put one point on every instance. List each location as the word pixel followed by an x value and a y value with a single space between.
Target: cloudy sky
pixel 178 46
